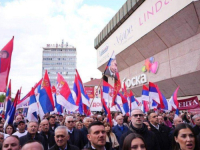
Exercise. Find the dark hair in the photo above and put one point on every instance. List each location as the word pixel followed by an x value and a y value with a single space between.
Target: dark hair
pixel 176 145
pixel 32 141
pixel 95 123
pixel 108 124
pixel 126 119
pixel 12 128
pixel 51 117
pixel 128 140
pixel 185 118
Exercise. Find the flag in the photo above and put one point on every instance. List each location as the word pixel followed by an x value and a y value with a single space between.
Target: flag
pixel 33 107
pixel 46 104
pixel 145 98
pixel 11 114
pixel 64 95
pixel 58 107
pixel 106 109
pixel 5 63
pixel 8 100
pixel 125 107
pixel 163 101
pixel 133 102
pixel 25 99
pixel 173 101
pixel 153 93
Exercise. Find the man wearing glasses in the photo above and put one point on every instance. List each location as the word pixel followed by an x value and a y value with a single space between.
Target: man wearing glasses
pixel 137 126
pixel 76 136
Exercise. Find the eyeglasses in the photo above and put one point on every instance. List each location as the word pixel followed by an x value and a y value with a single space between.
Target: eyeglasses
pixel 70 121
pixel 136 115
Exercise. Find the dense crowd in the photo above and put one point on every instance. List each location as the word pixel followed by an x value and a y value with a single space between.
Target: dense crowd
pixel 139 131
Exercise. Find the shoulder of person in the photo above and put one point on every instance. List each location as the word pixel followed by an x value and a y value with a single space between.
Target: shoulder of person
pixel 73 147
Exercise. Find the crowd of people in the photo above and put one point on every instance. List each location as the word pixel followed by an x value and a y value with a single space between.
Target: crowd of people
pixel 139 131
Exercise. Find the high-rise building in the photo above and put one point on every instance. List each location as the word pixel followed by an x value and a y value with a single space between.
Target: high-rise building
pixel 59 58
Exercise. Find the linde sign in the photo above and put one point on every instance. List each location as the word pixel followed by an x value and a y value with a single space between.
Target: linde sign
pixel 137 80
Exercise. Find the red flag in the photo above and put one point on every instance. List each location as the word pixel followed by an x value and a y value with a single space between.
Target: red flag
pixel 5 63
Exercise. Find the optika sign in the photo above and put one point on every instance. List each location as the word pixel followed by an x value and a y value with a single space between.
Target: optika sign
pixel 137 80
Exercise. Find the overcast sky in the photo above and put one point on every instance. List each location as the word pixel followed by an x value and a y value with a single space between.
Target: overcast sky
pixel 35 23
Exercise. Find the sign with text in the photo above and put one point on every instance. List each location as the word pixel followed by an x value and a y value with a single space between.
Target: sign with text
pixel 189 103
pixel 90 91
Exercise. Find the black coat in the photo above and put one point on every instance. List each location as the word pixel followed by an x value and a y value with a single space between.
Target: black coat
pixel 50 141
pixel 78 138
pixel 196 129
pixel 24 139
pixel 84 132
pixel 162 135
pixel 108 146
pixel 150 138
pixel 69 147
pixel 118 132
pixel 56 125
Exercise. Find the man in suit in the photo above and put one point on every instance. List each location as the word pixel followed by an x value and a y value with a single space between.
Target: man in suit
pixel 52 123
pixel 76 136
pixel 112 69
pixel 47 134
pixel 32 134
pixel 196 120
pixel 84 130
pixel 61 138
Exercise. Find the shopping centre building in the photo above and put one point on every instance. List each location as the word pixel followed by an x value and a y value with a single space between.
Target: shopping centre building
pixel 154 41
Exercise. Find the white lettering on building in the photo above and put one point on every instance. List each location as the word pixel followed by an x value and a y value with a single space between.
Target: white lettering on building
pixel 137 80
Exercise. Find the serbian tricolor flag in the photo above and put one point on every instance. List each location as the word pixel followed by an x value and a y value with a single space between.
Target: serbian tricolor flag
pixel 125 107
pixel 82 99
pixel 11 114
pixel 5 63
pixel 163 101
pixel 26 98
pixel 64 95
pixel 173 101
pixel 133 102
pixel 8 100
pixel 58 107
pixel 46 104
pixel 33 107
pixel 106 109
pixel 145 98
pixel 153 93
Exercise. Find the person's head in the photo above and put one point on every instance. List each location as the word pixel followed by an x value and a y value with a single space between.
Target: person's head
pixel 171 115
pixel 1 137
pixel 79 125
pixel 134 141
pixel 18 118
pixel 107 127
pixel 61 136
pixel 4 54
pixel 52 120
pixel 99 118
pixel 119 120
pixel 9 129
pixel 196 119
pixel 69 122
pixel 147 124
pixel 60 118
pixel 177 120
pixel 33 145
pixel 160 119
pixel 184 138
pixel 137 118
pixel 86 121
pixel 1 126
pixel 11 143
pixel 97 134
pixel 153 118
pixel 21 126
pixel 32 127
pixel 44 125
pixel 113 66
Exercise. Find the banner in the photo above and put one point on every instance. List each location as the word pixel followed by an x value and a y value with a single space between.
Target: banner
pixel 90 91
pixel 189 103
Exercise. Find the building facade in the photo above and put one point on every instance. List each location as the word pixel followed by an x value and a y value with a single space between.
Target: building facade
pixel 59 58
pixel 154 41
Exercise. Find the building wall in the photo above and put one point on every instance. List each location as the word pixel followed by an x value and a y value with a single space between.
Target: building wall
pixel 59 59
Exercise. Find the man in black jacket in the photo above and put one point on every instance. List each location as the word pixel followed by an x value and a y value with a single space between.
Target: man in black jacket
pixel 97 137
pixel 137 126
pixel 32 134
pixel 47 134
pixel 61 138
pixel 52 123
pixel 161 131
pixel 76 136
pixel 84 130
pixel 196 119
